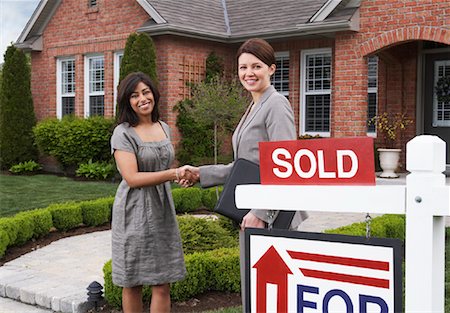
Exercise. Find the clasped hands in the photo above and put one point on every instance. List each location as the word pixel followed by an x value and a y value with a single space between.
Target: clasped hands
pixel 187 175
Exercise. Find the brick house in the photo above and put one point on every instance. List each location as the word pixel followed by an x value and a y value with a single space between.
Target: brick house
pixel 339 61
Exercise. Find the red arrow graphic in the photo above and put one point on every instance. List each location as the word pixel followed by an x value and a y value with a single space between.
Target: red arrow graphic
pixel 271 268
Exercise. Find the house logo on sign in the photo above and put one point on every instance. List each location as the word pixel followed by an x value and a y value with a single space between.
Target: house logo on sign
pixel 308 272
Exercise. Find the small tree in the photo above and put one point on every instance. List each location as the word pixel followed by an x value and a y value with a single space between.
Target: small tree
pixel 17 117
pixel 221 102
pixel 139 56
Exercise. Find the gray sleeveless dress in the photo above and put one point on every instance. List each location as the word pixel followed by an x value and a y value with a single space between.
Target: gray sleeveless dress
pixel 146 242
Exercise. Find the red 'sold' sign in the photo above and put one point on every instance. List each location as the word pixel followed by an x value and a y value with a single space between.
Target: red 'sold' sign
pixel 328 161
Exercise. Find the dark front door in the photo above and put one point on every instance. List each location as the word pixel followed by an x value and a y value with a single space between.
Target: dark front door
pixel 436 113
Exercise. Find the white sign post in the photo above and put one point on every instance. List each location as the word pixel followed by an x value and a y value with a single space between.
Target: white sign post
pixel 425 199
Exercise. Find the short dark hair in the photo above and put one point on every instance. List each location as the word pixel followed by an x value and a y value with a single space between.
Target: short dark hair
pixel 259 48
pixel 125 89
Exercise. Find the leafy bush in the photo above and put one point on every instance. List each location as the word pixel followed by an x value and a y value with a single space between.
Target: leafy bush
pixel 66 216
pixel 96 212
pixel 200 234
pixel 74 140
pixel 25 167
pixel 96 170
pixel 197 139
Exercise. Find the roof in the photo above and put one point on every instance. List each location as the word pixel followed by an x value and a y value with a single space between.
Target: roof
pixel 225 20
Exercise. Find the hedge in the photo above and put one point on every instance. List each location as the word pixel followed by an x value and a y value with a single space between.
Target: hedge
pixel 210 270
pixel 18 229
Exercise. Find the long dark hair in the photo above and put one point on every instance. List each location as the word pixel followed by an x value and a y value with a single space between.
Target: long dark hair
pixel 126 88
pixel 259 48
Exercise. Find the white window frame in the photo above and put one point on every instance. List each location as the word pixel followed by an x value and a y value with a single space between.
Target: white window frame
pixel 372 90
pixel 305 93
pixel 87 82
pixel 59 82
pixel 436 122
pixel 278 56
pixel 117 62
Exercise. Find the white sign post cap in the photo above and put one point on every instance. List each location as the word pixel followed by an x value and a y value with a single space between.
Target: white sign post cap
pixel 425 153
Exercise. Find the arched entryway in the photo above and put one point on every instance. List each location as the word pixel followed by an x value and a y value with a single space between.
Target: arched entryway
pixel 411 61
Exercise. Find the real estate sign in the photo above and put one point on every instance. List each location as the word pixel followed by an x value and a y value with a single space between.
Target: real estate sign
pixel 310 272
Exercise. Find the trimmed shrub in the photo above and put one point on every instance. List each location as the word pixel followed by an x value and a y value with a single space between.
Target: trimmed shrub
pixel 74 140
pixel 209 197
pixel 4 242
pixel 200 234
pixel 25 228
pixel 113 293
pixel 66 216
pixel 96 212
pixel 385 226
pixel 187 199
pixel 9 225
pixel 211 270
pixel 42 221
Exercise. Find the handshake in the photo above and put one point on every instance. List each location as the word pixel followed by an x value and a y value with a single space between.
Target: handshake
pixel 187 175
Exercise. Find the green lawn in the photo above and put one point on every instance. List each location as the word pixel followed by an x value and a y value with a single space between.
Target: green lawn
pixel 19 193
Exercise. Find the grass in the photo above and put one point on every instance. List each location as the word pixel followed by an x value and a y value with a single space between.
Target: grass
pixel 237 309
pixel 20 193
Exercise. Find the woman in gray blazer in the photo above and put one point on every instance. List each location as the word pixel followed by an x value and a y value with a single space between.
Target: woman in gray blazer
pixel 269 117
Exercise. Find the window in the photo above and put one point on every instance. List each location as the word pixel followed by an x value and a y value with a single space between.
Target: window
pixel 316 85
pixel 280 79
pixel 92 3
pixel 65 81
pixel 441 109
pixel 372 91
pixel 94 86
pixel 118 56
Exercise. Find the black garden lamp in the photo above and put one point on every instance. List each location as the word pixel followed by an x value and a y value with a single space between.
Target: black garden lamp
pixel 95 293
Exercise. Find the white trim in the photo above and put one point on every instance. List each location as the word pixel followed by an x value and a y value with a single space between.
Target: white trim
pixel 59 84
pixel 152 12
pixel 325 10
pixel 302 98
pixel 87 94
pixel 32 21
pixel 117 56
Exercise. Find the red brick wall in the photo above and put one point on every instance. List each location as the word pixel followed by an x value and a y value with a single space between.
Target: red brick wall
pixel 383 25
pixel 75 30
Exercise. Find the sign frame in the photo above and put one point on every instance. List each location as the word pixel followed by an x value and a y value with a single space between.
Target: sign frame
pixel 395 244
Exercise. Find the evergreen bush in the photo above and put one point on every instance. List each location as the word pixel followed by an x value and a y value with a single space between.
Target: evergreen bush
pixel 139 56
pixel 17 117
pixel 25 229
pixel 209 197
pixel 96 212
pixel 200 234
pixel 41 219
pixel 187 199
pixel 66 216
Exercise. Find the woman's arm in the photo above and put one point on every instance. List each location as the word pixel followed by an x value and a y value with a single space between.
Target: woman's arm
pixel 127 165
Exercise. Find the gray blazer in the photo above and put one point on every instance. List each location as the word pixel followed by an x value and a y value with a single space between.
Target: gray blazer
pixel 272 119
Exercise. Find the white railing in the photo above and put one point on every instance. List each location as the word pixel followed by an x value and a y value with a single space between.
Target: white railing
pixel 425 200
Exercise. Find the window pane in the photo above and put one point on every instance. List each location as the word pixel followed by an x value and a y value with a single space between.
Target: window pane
pixel 318 72
pixel 317 113
pixel 67 76
pixel 96 105
pixel 68 105
pixel 280 79
pixel 96 74
pixel 371 110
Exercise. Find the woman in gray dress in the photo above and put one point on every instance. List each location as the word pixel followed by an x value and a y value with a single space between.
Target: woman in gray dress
pixel 146 242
